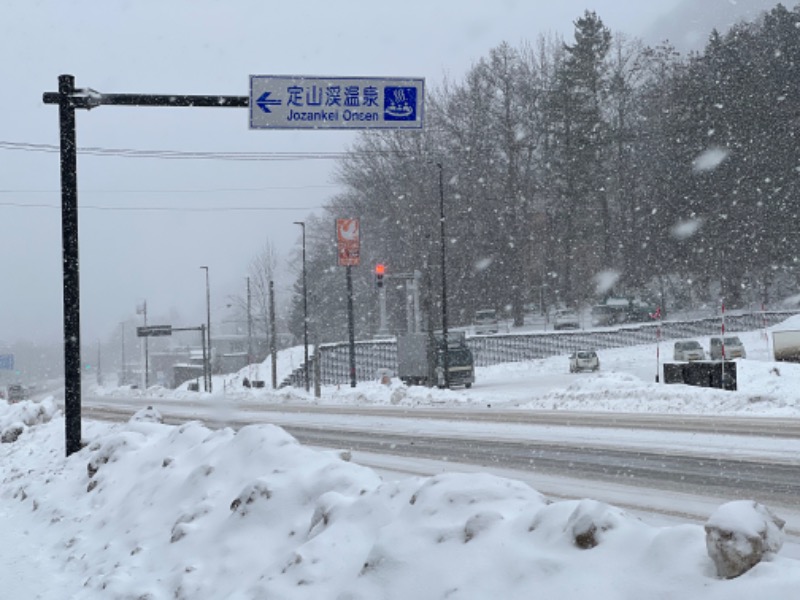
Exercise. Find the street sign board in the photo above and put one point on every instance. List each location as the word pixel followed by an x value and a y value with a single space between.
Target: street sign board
pixel 154 330
pixel 7 362
pixel 303 102
pixel 348 239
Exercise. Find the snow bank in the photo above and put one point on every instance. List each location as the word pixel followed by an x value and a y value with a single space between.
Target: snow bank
pixel 16 418
pixel 153 511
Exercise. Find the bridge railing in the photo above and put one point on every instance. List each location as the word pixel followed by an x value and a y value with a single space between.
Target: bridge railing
pixel 372 355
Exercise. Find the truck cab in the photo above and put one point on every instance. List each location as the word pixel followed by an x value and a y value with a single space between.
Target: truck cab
pixel 421 358
pixel 460 365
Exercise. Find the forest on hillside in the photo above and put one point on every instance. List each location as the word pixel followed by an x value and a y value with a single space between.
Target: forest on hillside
pixel 570 171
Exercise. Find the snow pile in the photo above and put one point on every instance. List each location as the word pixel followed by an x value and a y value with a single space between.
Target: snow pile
pixel 153 511
pixel 16 418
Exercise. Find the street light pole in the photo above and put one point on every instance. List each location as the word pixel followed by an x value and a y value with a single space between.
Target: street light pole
pixel 208 330
pixel 124 377
pixel 446 356
pixel 249 327
pixel 305 308
pixel 146 349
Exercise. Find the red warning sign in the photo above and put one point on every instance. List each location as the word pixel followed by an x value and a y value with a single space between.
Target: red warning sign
pixel 348 239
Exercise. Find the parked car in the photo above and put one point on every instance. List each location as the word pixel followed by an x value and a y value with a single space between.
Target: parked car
pixel 583 360
pixel 486 321
pixel 734 348
pixel 566 319
pixel 689 350
pixel 16 393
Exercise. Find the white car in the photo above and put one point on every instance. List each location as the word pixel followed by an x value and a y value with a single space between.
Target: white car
pixel 486 321
pixel 583 360
pixel 688 350
pixel 566 319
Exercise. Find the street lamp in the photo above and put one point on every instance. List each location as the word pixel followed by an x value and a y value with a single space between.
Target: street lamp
pixel 208 330
pixel 249 328
pixel 124 377
pixel 142 310
pixel 305 307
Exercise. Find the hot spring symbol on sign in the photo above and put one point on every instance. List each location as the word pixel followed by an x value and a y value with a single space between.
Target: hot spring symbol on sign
pixel 399 103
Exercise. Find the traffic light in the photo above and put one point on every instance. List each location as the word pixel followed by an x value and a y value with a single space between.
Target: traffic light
pixel 379 271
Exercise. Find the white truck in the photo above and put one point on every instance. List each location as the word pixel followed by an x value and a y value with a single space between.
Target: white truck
pixel 786 346
pixel 420 359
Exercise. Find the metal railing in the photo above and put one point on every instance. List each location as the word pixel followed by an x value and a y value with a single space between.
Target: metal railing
pixel 490 350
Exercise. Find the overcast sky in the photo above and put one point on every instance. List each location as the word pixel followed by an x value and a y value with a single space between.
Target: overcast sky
pixel 131 247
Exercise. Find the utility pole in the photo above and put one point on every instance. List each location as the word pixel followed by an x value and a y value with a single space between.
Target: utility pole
pixel 446 362
pixel 143 311
pixel 249 327
pixel 273 342
pixel 208 332
pixel 305 308
pixel 124 366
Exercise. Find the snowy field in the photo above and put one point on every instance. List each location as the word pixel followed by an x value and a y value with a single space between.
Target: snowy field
pixel 148 511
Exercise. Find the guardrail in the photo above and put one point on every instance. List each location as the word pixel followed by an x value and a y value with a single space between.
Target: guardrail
pixel 503 348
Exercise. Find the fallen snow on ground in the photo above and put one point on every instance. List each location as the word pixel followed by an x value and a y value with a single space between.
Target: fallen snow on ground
pixel 151 511
pixel 147 511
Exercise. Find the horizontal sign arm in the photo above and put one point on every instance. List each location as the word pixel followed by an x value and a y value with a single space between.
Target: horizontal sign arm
pixel 88 99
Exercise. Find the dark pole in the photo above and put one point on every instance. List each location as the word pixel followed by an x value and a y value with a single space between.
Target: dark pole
pixel 68 98
pixel 71 272
pixel 305 309
pixel 124 366
pixel 146 352
pixel 273 342
pixel 249 328
pixel 446 364
pixel 208 330
pixel 351 328
pixel 205 357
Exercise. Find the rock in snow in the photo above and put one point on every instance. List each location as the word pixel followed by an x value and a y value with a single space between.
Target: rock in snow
pixel 741 534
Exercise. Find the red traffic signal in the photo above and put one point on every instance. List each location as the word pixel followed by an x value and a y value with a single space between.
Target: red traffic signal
pixel 379 271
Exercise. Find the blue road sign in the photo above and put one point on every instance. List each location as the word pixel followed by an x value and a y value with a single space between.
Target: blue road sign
pixel 299 102
pixel 7 362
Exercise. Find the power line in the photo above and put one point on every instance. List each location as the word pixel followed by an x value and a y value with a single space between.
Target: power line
pixel 168 208
pixel 175 191
pixel 192 155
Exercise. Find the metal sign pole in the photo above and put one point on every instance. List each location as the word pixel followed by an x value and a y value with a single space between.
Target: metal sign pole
pixel 351 329
pixel 273 342
pixel 69 240
pixel 68 98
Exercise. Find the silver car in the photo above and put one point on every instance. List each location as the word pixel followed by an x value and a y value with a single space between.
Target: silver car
pixel 734 348
pixel 566 319
pixel 688 350
pixel 583 360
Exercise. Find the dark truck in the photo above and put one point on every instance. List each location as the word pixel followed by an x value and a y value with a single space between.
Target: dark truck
pixel 420 359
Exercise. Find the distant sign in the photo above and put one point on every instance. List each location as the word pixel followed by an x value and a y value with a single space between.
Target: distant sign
pixel 154 330
pixel 300 102
pixel 348 240
pixel 7 362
